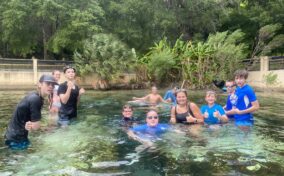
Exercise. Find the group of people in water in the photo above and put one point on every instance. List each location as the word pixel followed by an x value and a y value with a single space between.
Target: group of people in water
pixel 64 98
pixel 240 105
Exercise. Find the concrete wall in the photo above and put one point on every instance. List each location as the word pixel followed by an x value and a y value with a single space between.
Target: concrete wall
pixel 19 79
pixel 27 79
pixel 257 78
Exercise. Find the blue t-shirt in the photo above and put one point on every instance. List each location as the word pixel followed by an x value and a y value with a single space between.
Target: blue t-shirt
pixel 231 102
pixel 155 131
pixel 211 119
pixel 170 95
pixel 245 95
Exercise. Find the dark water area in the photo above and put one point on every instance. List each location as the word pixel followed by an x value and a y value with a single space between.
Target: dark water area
pixel 97 145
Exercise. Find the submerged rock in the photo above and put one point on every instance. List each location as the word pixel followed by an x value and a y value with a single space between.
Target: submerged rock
pixel 6 173
pixel 109 164
pixel 254 168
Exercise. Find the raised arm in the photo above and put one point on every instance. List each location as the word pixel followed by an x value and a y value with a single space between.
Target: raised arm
pixel 142 98
pixel 65 96
pixel 81 91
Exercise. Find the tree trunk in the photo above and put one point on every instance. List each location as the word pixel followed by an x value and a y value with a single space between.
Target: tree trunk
pixel 44 40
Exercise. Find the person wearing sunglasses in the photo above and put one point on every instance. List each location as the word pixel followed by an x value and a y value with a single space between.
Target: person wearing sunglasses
pixel 69 94
pixel 27 115
pixel 231 99
pixel 185 111
pixel 149 132
pixel 127 116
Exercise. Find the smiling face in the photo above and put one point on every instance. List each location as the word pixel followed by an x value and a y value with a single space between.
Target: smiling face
pixel 210 98
pixel 152 118
pixel 230 85
pixel 181 98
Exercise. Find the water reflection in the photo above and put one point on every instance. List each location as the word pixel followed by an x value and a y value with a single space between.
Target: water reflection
pixel 96 144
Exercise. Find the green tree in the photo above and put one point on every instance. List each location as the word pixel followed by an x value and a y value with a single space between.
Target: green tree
pixel 230 51
pixel 104 55
pixel 42 26
pixel 139 23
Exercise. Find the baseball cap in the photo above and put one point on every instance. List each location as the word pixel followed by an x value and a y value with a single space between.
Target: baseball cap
pixel 47 78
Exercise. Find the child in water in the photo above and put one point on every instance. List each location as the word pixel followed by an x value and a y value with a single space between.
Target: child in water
pixel 213 113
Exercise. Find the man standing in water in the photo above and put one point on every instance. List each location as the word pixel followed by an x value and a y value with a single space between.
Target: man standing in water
pixel 69 94
pixel 27 114
pixel 247 102
pixel 152 99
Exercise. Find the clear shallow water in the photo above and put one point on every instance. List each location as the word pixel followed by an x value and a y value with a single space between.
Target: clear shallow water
pixel 97 145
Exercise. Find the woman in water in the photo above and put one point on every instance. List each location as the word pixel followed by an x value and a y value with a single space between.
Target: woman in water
pixel 185 111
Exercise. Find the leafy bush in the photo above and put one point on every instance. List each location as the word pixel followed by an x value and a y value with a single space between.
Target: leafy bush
pixel 104 55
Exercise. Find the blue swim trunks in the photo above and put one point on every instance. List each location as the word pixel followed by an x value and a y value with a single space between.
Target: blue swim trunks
pixel 17 145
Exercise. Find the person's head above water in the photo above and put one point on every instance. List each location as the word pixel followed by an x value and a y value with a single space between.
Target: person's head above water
pixel 154 90
pixel 181 96
pixel 175 88
pixel 127 111
pixel 46 85
pixel 210 97
pixel 152 118
pixel 231 86
pixel 240 77
pixel 69 72
pixel 56 74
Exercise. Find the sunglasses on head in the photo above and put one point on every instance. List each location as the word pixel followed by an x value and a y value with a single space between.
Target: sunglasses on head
pixel 69 67
pixel 181 90
pixel 152 117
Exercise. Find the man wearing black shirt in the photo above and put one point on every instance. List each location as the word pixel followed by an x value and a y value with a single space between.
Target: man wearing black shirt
pixel 69 94
pixel 27 114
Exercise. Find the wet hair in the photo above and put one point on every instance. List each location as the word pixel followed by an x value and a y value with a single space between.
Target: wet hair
pixel 154 87
pixel 211 92
pixel 241 73
pixel 68 67
pixel 229 81
pixel 152 110
pixel 127 106
pixel 181 90
pixel 53 72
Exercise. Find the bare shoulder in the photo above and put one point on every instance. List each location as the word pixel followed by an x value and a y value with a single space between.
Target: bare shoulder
pixel 193 105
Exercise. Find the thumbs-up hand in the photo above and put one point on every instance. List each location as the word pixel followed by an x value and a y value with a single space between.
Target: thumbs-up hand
pixel 216 114
pixel 206 114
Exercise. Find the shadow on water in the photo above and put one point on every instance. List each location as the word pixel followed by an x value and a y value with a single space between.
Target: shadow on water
pixel 97 145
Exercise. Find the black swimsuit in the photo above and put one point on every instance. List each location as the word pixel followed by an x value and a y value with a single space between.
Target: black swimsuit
pixel 181 117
